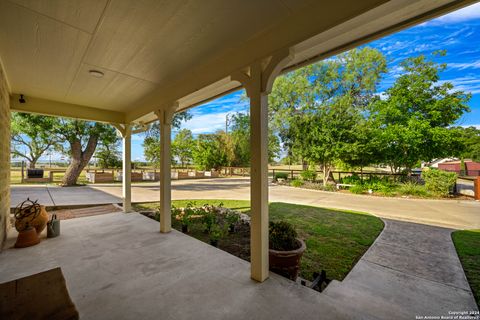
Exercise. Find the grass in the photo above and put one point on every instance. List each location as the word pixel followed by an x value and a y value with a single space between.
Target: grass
pixel 335 239
pixel 467 243
pixel 16 177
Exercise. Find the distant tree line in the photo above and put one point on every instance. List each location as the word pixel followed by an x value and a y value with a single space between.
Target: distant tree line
pixel 211 150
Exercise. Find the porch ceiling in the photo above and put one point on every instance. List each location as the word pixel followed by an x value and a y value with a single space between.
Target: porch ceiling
pixel 155 53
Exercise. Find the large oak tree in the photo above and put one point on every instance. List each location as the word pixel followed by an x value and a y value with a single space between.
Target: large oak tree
pixel 81 139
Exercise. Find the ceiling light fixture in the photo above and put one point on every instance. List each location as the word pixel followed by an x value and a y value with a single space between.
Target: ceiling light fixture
pixel 96 73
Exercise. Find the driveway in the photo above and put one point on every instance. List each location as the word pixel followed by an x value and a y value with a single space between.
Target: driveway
pixel 458 214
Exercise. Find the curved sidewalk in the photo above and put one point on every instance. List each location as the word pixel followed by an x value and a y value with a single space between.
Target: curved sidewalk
pixel 411 270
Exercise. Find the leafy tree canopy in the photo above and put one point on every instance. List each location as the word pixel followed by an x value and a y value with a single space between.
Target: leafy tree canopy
pixel 318 111
pixel 32 136
pixel 182 146
pixel 416 114
pixel 151 143
pixel 209 152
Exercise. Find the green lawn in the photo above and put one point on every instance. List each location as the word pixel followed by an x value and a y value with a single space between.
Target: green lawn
pixel 467 243
pixel 16 177
pixel 335 239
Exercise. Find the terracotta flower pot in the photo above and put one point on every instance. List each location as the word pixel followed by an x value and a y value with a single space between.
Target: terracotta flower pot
pixel 287 263
pixel 27 237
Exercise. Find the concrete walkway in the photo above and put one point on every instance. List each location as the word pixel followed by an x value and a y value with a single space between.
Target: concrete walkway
pixel 458 214
pixel 411 270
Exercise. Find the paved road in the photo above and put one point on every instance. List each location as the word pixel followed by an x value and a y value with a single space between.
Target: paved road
pixel 447 213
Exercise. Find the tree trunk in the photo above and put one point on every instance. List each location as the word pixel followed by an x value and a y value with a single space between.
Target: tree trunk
pixel 326 174
pixel 79 160
pixel 32 163
pixel 304 165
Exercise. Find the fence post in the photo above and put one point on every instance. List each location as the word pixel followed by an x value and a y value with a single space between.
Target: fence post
pixel 291 174
pixel 476 188
pixel 23 171
pixel 273 174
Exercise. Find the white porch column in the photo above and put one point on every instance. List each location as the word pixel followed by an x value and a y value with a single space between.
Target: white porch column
pixel 127 169
pixel 258 82
pixel 125 131
pixel 165 119
pixel 258 177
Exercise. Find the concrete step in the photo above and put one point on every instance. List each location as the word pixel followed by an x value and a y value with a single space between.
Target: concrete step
pixel 331 286
pixel 373 291
pixel 85 212
pixel 359 302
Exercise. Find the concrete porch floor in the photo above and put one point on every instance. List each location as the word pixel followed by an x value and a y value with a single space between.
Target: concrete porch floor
pixel 118 266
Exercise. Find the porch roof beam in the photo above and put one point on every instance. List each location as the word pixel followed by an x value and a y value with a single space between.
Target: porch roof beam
pixel 63 109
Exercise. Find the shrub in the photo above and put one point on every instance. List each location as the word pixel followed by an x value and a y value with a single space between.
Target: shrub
pixel 232 217
pixel 308 175
pixel 379 185
pixel 188 212
pixel 209 218
pixel 175 212
pixel 216 232
pixel 280 175
pixel 357 189
pixel 386 189
pixel 296 183
pixel 412 189
pixel 353 179
pixel 329 187
pixel 439 182
pixel 283 236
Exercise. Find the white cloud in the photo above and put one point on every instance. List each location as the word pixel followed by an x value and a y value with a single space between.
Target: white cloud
pixel 382 95
pixel 465 65
pixel 468 13
pixel 469 84
pixel 206 123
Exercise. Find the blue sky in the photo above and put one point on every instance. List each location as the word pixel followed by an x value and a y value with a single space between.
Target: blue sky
pixel 458 33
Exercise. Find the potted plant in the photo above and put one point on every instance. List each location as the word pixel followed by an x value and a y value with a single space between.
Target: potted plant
pixel 232 219
pixel 209 217
pixel 175 214
pixel 185 217
pixel 286 249
pixel 216 233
